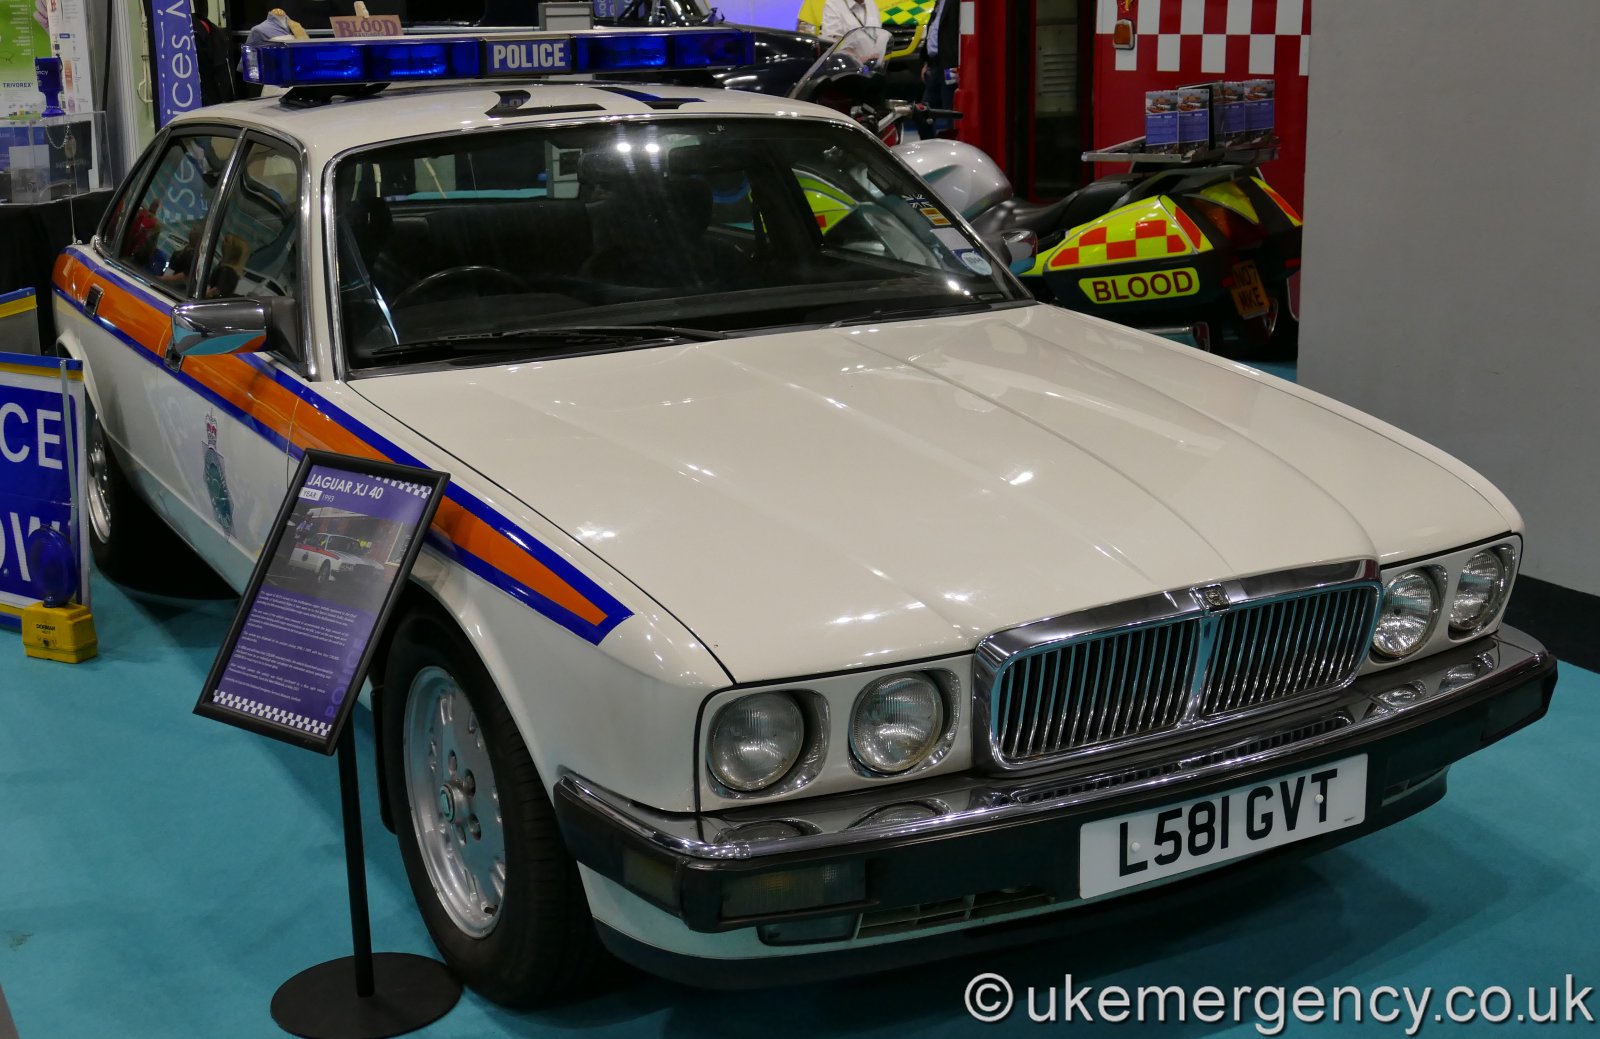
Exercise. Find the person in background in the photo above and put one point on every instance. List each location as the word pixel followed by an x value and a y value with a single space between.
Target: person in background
pixel 842 16
pixel 941 56
pixel 211 58
pixel 810 19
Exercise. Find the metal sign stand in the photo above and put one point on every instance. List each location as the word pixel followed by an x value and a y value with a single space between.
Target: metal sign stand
pixel 364 996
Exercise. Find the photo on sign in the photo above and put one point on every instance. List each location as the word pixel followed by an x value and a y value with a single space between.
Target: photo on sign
pixel 338 555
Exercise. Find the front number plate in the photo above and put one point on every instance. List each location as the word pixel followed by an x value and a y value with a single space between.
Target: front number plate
pixel 1249 294
pixel 1136 849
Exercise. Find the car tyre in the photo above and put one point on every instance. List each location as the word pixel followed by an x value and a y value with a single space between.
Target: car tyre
pixel 129 542
pixel 324 574
pixel 518 930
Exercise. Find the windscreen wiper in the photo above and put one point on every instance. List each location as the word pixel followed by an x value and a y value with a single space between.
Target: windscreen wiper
pixel 582 337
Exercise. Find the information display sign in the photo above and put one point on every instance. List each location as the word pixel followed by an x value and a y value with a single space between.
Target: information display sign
pixel 343 545
pixel 41 470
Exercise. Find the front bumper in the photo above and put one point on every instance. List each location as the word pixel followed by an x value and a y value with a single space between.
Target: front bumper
pixel 997 847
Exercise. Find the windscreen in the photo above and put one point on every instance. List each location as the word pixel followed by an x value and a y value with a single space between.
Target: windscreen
pixel 449 244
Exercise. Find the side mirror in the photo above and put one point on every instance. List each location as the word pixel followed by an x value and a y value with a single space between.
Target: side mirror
pixel 244 325
pixel 1014 245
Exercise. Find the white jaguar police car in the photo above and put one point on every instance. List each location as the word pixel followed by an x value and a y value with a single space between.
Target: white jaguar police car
pixel 806 598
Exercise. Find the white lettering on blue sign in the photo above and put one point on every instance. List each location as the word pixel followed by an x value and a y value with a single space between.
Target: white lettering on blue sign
pixel 15 444
pixel 521 57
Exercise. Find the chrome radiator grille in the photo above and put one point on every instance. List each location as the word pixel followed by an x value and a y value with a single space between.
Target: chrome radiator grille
pixel 1184 669
pixel 1264 653
pixel 1096 690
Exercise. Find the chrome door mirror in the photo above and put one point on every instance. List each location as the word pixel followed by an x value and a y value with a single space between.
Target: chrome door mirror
pixel 216 326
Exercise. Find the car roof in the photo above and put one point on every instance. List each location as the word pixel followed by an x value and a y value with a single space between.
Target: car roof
pixel 402 112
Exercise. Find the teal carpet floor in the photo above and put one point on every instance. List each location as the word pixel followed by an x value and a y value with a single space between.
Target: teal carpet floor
pixel 161 875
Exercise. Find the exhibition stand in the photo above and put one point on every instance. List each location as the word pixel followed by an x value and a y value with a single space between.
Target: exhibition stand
pixel 291 669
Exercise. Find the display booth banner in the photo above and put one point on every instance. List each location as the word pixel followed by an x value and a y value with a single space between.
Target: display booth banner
pixel 24 36
pixel 177 71
pixel 68 25
pixel 339 553
pixel 41 470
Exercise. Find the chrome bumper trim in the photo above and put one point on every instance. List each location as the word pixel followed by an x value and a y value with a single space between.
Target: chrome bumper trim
pixel 1367 709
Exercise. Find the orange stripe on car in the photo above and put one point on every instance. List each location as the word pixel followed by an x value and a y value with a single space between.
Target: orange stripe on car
pixel 257 394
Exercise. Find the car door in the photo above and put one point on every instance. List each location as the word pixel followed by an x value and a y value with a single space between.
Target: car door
pixel 230 449
pixel 144 263
pixel 206 441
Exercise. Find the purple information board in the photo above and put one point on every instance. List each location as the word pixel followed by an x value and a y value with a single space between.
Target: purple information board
pixel 300 646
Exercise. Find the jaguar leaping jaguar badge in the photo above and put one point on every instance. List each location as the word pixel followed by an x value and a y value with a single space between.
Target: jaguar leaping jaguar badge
pixel 1213 596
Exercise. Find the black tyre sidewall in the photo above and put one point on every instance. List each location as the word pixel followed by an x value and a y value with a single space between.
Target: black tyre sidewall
pixel 130 518
pixel 543 946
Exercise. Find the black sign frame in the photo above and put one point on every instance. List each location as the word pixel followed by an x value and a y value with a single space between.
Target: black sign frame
pixel 207 706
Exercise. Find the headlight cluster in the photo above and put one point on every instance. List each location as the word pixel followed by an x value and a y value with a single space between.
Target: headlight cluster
pixel 1413 601
pixel 756 740
pixel 771 741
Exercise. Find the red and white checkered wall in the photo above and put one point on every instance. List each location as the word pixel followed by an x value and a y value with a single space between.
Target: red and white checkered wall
pixel 1188 41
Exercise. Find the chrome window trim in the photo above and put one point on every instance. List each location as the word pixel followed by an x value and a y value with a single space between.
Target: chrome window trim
pixel 998 651
pixel 137 179
pixel 195 129
pixel 306 365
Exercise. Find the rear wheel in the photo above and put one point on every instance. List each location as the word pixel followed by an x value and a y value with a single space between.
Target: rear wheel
pixel 118 519
pixel 129 542
pixel 491 874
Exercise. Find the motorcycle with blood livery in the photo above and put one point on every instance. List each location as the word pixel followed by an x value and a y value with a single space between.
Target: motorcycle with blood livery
pixel 1196 246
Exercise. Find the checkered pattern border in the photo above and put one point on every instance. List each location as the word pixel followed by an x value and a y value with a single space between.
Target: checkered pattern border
pixel 273 714
pixel 416 490
pixel 1204 37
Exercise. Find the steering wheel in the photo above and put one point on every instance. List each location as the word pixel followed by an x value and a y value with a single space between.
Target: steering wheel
pixel 479 272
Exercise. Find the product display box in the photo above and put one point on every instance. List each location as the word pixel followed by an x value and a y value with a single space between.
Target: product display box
pixel 1161 121
pixel 1194 117
pixel 49 158
pixel 1228 117
pixel 1258 106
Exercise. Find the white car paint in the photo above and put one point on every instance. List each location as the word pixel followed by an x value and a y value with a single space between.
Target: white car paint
pixel 791 504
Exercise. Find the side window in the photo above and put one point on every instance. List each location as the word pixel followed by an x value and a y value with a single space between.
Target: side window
pixel 256 251
pixel 164 229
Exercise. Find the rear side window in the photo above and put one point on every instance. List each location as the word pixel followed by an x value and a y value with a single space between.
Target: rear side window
pixel 256 247
pixel 161 237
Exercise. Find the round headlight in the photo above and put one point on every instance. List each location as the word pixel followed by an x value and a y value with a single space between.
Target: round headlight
pixel 1483 581
pixel 1410 604
pixel 755 741
pixel 897 722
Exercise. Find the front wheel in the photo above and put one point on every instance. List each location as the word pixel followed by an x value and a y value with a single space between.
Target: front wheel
pixel 491 874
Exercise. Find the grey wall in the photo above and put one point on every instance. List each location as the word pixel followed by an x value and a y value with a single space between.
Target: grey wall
pixel 1452 244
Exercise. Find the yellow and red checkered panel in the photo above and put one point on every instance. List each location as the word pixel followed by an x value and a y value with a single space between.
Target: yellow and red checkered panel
pixel 1150 232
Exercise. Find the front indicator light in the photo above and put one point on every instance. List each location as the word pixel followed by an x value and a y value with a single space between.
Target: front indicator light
pixel 793 890
pixel 1479 592
pixel 1406 617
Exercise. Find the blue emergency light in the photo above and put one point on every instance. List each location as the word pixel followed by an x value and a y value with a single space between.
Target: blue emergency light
pixel 306 63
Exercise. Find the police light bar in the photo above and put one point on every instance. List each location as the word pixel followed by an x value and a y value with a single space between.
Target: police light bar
pixel 390 59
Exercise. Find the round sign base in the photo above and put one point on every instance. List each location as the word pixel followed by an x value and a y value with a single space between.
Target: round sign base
pixel 408 993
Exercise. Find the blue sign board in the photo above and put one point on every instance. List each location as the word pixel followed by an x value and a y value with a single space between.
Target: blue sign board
pixel 177 72
pixel 526 57
pixel 345 540
pixel 41 444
